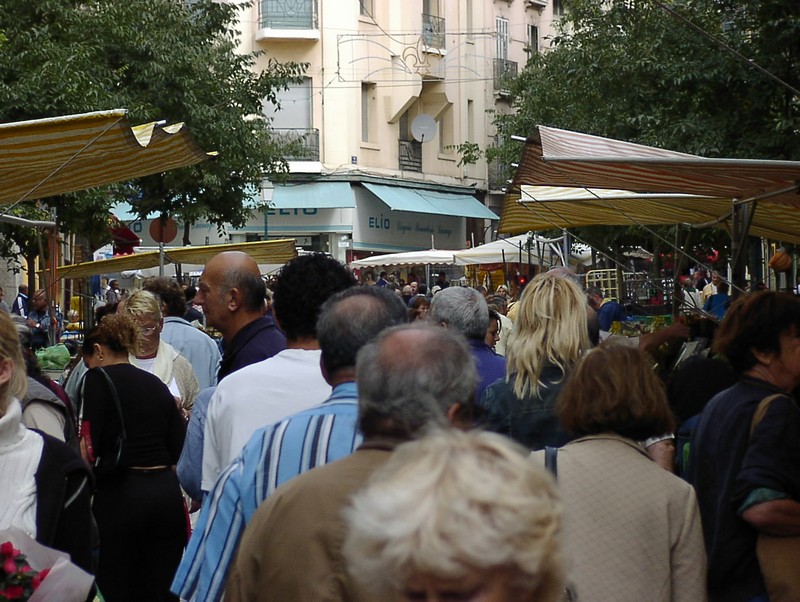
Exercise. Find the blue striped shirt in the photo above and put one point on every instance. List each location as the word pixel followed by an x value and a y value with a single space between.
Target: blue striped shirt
pixel 272 456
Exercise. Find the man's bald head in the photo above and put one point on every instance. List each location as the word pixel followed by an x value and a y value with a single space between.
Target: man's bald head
pixel 231 285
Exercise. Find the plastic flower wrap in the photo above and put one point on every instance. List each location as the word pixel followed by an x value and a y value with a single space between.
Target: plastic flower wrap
pixel 32 572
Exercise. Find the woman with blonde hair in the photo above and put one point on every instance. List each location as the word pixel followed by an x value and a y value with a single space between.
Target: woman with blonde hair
pixel 458 516
pixel 46 487
pixel 631 529
pixel 159 357
pixel 550 335
pixel 132 434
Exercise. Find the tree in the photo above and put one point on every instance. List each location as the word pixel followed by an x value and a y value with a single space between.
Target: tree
pixel 632 70
pixel 160 59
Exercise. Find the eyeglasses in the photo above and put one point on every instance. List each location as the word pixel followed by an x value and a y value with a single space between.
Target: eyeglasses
pixel 147 331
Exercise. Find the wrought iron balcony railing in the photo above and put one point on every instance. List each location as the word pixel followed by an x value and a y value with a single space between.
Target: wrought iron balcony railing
pixel 504 71
pixel 410 155
pixel 302 143
pixel 433 31
pixel 288 14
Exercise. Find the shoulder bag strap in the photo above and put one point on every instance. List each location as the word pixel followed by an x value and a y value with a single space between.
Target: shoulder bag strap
pixel 115 397
pixel 551 460
pixel 761 410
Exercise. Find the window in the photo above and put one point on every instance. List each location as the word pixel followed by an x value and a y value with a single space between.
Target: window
pixel 558 8
pixel 471 120
pixel 501 25
pixel 470 20
pixel 533 40
pixel 430 7
pixel 288 14
pixel 365 8
pixel 295 107
pixel 367 112
pixel 446 130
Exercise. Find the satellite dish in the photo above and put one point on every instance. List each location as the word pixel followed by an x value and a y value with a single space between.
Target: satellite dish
pixel 423 128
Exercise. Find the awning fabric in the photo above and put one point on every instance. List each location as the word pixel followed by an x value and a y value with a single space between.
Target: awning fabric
pixel 429 257
pixel 544 207
pixel 554 157
pixel 418 200
pixel 313 195
pixel 508 250
pixel 47 157
pixel 270 251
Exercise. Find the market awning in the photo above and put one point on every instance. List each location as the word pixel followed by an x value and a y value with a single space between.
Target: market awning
pixel 271 251
pixel 418 200
pixel 428 257
pixel 545 207
pixel 47 157
pixel 313 195
pixel 554 157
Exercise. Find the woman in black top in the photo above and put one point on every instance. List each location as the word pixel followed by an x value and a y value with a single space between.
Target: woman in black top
pixel 138 504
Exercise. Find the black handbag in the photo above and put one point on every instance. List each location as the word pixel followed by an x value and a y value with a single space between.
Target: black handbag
pixel 108 464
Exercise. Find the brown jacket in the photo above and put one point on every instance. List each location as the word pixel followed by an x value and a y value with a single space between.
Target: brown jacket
pixel 292 548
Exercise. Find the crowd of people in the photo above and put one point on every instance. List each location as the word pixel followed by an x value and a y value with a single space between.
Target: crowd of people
pixel 377 442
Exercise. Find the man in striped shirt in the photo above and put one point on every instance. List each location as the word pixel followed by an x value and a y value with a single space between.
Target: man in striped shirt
pixel 276 453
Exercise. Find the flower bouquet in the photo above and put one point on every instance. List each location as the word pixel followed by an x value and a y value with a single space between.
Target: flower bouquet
pixel 32 572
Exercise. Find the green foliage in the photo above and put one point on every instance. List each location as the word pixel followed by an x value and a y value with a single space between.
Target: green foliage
pixel 470 152
pixel 160 59
pixel 628 69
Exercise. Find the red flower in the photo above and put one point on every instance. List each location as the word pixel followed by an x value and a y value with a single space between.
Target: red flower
pixel 39 577
pixel 7 549
pixel 12 592
pixel 9 566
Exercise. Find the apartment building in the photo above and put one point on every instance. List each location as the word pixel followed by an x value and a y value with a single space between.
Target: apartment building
pixel 394 90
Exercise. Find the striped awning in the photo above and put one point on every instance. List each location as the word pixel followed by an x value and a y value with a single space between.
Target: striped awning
pixel 264 252
pixel 644 185
pixel 47 157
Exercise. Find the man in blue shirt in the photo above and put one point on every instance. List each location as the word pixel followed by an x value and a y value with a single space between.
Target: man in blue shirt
pixel 192 343
pixel 278 452
pixel 464 310
pixel 608 311
pixel 44 325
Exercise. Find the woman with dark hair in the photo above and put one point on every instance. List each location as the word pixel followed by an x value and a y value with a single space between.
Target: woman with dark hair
pixel 132 433
pixel 418 308
pixel 747 472
pixel 632 529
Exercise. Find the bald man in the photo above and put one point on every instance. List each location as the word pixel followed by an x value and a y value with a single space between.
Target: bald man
pixel 232 293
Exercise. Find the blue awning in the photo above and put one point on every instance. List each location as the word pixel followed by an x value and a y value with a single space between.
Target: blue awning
pixel 313 195
pixel 418 200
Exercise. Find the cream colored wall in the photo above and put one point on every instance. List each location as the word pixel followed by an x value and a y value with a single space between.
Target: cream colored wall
pixel 387 51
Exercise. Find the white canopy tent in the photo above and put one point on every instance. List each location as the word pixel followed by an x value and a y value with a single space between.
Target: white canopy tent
pixel 429 257
pixel 544 251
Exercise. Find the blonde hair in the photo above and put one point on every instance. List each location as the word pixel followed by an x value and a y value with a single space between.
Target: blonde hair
pixel 143 303
pixel 551 329
pixel 10 350
pixel 452 503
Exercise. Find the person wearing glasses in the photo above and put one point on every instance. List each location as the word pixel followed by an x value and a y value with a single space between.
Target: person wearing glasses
pixel 159 357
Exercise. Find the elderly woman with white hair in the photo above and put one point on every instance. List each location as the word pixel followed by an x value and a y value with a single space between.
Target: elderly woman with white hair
pixel 159 357
pixel 550 335
pixel 458 516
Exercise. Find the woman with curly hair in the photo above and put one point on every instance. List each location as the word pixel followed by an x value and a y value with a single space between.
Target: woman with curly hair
pixel 550 335
pixel 458 516
pixel 132 434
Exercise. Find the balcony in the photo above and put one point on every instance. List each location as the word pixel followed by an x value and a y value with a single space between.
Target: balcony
pixel 433 32
pixel 504 72
pixel 410 155
pixel 288 19
pixel 498 174
pixel 302 143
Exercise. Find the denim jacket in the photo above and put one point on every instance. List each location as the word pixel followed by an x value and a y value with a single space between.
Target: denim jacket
pixel 531 421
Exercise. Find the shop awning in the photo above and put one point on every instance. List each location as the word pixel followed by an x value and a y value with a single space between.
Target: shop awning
pixel 427 257
pixel 418 200
pixel 47 157
pixel 270 251
pixel 313 195
pixel 706 188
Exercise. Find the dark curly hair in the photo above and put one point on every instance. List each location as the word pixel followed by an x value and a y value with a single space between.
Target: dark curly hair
pixel 756 321
pixel 169 293
pixel 301 287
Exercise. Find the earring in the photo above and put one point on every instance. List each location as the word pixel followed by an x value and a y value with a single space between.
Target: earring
pixel 100 358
